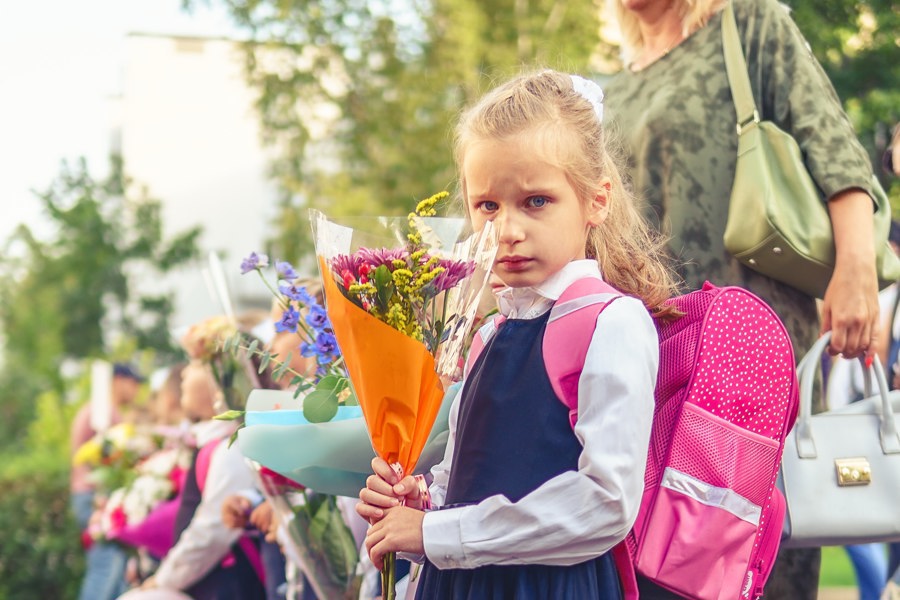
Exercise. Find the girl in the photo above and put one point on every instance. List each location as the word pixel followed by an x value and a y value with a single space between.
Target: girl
pixel 530 505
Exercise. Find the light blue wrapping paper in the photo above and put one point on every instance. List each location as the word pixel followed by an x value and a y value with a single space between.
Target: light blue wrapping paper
pixel 330 458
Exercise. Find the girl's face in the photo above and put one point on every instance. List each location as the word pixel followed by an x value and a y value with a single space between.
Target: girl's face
pixel 198 392
pixel 542 223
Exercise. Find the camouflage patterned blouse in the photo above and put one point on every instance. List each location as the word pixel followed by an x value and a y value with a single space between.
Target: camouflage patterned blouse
pixel 676 121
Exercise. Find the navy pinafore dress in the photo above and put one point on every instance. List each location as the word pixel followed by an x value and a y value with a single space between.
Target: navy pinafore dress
pixel 512 435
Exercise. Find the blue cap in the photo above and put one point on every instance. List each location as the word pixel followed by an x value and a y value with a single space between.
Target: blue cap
pixel 126 370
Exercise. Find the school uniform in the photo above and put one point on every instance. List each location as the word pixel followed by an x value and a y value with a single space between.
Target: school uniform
pixel 206 561
pixel 529 507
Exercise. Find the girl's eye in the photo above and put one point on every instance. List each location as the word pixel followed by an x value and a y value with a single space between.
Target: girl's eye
pixel 487 206
pixel 537 201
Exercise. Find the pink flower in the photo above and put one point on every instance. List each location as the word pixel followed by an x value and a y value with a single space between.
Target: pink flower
pixel 117 518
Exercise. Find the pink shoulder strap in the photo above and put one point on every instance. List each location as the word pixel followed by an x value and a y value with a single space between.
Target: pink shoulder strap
pixel 204 456
pixel 481 339
pixel 570 329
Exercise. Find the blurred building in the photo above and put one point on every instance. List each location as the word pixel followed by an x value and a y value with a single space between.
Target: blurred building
pixel 189 136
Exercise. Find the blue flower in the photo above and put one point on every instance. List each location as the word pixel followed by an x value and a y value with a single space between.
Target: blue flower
pixel 307 349
pixel 317 317
pixel 289 320
pixel 285 270
pixel 253 262
pixel 326 344
pixel 297 294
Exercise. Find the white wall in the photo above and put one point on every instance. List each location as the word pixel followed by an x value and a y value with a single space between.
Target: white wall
pixel 189 134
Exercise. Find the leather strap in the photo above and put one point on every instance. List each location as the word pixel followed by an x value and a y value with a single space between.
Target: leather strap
pixel 736 67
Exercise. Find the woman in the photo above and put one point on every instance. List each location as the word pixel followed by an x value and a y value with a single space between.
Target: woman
pixel 673 110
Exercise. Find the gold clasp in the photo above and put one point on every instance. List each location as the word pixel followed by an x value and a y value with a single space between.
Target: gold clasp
pixel 853 471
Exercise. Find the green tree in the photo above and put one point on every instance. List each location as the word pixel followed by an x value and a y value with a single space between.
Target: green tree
pixel 357 96
pixel 858 44
pixel 72 295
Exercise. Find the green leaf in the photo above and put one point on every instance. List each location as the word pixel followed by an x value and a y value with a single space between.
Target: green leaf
pixel 282 367
pixel 330 382
pixel 233 437
pixel 253 346
pixel 230 415
pixel 384 286
pixel 351 400
pixel 320 406
pixel 264 361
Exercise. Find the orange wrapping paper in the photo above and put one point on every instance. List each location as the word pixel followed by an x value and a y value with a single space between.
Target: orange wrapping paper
pixel 392 374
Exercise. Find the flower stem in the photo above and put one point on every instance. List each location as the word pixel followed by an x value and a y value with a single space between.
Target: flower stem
pixel 389 577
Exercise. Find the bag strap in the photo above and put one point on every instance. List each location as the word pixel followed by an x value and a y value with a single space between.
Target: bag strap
pixel 570 329
pixel 806 371
pixel 736 67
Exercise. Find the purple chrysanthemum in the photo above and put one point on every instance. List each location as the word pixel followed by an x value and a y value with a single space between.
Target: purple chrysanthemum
pixel 253 262
pixel 375 257
pixel 346 262
pixel 454 272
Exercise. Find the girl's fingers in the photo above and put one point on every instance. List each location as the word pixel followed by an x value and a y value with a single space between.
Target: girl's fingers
pixel 407 487
pixel 368 512
pixel 379 486
pixel 375 499
pixel 384 470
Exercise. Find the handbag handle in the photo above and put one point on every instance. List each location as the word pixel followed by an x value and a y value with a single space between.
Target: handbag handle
pixel 806 370
pixel 736 68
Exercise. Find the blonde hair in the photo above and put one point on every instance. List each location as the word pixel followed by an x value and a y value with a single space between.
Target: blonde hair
pixel 693 14
pixel 545 104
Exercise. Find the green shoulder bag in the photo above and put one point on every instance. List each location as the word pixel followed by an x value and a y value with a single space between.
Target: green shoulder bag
pixel 778 222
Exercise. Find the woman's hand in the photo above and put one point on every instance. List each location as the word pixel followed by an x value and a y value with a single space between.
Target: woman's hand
pixel 850 306
pixel 399 531
pixel 384 490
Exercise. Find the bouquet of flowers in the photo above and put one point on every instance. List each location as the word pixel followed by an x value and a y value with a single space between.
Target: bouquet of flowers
pixel 141 514
pixel 205 341
pixel 318 540
pixel 114 453
pixel 401 295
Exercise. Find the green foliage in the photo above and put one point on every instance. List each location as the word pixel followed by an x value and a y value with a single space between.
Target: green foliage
pixel 40 552
pixel 856 42
pixel 71 295
pixel 357 96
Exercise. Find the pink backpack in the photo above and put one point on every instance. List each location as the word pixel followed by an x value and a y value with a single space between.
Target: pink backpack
pixel 710 519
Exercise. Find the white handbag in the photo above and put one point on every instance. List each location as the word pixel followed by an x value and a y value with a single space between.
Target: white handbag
pixel 840 472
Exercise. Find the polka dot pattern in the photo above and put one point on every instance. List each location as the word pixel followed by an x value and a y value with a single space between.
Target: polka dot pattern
pixel 726 396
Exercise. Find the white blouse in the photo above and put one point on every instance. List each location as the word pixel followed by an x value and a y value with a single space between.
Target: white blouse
pixel 206 540
pixel 577 515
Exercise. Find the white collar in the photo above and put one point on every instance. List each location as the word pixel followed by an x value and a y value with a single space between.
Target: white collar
pixel 531 302
pixel 206 431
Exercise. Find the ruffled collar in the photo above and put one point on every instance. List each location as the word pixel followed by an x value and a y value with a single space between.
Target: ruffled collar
pixel 532 302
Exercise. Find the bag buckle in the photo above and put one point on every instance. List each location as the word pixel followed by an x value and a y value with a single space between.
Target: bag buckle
pixel 853 471
pixel 753 120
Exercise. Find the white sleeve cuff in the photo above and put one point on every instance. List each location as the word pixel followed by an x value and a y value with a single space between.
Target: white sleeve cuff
pixel 442 538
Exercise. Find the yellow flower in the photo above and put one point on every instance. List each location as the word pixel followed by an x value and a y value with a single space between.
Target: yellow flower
pixel 425 208
pixel 89 453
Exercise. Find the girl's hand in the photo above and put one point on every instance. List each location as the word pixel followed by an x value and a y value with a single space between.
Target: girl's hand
pixel 235 511
pixel 263 518
pixel 399 531
pixel 384 490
